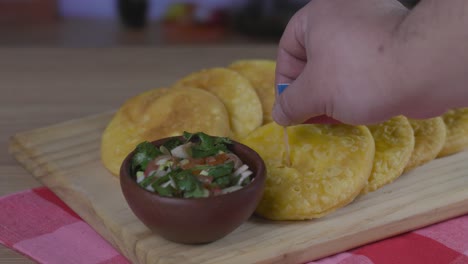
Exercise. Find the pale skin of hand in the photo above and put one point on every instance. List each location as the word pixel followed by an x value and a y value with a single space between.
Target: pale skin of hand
pixel 365 61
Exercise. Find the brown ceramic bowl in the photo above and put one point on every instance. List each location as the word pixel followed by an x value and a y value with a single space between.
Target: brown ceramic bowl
pixel 196 220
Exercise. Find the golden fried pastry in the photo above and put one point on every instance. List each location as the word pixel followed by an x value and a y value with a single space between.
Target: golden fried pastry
pixel 136 106
pixel 456 122
pixel 429 135
pixel 261 74
pixel 330 164
pixel 171 114
pixel 235 91
pixel 394 143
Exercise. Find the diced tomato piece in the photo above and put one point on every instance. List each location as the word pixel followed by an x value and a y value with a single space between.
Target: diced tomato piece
pixel 216 160
pixel 198 161
pixel 205 179
pixel 152 166
pixel 210 160
pixel 192 163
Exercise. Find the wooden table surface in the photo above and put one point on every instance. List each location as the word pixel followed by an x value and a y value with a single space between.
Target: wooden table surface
pixel 40 87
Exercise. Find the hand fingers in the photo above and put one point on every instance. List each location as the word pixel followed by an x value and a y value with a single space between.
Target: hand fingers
pixel 292 56
pixel 294 107
pixel 299 102
pixel 288 67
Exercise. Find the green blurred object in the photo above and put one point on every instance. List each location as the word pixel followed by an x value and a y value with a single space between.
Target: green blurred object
pixel 189 23
pixel 178 12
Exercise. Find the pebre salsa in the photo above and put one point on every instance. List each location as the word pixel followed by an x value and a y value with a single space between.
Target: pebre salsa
pixel 194 166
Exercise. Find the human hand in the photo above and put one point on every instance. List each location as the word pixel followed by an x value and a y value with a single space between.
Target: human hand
pixel 339 57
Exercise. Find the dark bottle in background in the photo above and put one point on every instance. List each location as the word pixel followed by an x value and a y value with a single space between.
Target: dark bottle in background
pixel 268 18
pixel 133 13
pixel 265 18
pixel 409 3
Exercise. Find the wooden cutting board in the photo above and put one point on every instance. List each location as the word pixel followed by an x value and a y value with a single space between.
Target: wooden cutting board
pixel 65 158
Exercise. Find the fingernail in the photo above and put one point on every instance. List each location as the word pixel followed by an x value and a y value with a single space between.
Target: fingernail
pixel 323 119
pixel 281 87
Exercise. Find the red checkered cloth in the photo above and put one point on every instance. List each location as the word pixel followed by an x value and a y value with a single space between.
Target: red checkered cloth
pixel 39 225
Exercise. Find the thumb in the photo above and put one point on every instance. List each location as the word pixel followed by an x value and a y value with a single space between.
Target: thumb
pixel 300 102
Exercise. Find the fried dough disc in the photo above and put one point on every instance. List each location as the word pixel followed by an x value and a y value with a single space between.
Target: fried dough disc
pixel 119 138
pixel 136 106
pixel 429 135
pixel 394 143
pixel 456 122
pixel 179 110
pixel 330 164
pixel 261 74
pixel 235 91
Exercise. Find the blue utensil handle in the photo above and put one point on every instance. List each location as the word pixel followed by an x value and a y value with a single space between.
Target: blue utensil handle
pixel 281 87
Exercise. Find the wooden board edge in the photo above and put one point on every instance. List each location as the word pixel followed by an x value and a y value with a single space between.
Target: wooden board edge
pixel 17 150
pixel 371 235
pixel 19 135
pixel 28 158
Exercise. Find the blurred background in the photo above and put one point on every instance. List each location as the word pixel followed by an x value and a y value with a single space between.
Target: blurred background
pixel 94 23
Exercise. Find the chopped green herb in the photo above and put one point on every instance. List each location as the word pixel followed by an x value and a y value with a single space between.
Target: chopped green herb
pixel 223 182
pixel 144 153
pixel 235 180
pixel 208 146
pixel 185 180
pixel 198 178
pixel 216 170
pixel 221 170
pixel 187 136
pixel 173 143
pixel 163 179
pixel 148 180
pixel 245 181
pixel 164 191
pixel 197 192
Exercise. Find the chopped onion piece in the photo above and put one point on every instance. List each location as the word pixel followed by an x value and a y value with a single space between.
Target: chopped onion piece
pixel 230 189
pixel 163 157
pixel 181 151
pixel 160 173
pixel 150 188
pixel 244 175
pixel 164 185
pixel 164 150
pixel 184 162
pixel 172 182
pixel 247 172
pixel 166 166
pixel 241 169
pixel 204 173
pixel 162 161
pixel 233 158
pixel 140 176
